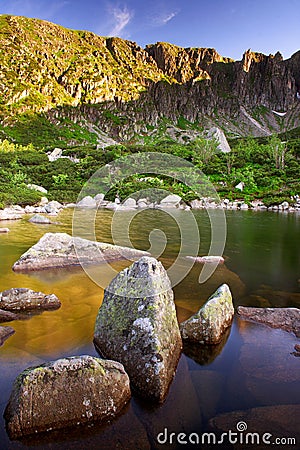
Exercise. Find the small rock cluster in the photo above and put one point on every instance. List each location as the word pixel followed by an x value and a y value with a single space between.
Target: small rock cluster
pixel 170 201
pixel 53 208
pixel 255 205
pixel 16 212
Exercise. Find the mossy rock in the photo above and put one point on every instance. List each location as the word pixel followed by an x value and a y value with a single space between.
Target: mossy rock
pixel 137 326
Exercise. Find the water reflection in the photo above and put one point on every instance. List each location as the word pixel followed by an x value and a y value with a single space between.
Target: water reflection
pixel 205 354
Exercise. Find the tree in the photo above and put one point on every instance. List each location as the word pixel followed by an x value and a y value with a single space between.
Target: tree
pixel 205 149
pixel 277 151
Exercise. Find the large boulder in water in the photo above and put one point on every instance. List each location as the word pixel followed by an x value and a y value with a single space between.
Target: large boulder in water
pixel 137 326
pixel 66 392
pixel 208 325
pixel 24 299
pixel 63 250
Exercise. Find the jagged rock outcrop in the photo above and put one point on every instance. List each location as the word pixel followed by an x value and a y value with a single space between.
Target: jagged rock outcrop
pixel 137 325
pixel 64 393
pixel 46 66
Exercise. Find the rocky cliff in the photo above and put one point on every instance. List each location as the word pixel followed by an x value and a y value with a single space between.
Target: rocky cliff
pixel 114 86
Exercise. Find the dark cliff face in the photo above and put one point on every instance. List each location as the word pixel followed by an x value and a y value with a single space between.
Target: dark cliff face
pixel 44 67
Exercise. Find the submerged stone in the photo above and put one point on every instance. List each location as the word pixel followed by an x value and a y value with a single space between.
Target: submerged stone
pixel 208 325
pixel 287 319
pixel 262 424
pixel 137 326
pixel 66 392
pixel 16 299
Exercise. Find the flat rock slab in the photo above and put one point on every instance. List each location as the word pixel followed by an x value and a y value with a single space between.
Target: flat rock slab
pixel 280 421
pixel 62 250
pixel 208 259
pixel 137 325
pixel 66 392
pixel 208 325
pixel 5 332
pixel 287 319
pixel 24 299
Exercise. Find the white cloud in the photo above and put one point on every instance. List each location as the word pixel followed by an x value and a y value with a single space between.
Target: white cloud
pixel 121 18
pixel 162 18
pixel 169 17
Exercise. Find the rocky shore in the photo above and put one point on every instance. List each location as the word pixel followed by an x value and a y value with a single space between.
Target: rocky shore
pixel 53 208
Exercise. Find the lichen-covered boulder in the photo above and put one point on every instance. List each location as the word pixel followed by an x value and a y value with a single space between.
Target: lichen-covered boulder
pixel 208 325
pixel 66 392
pixel 17 299
pixel 137 326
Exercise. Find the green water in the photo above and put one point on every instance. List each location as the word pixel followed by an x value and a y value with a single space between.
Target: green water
pixel 252 367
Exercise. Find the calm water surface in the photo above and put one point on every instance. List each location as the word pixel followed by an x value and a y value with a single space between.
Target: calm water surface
pixel 253 366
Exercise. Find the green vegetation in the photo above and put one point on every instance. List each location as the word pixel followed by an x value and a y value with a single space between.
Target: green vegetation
pixel 38 129
pixel 269 168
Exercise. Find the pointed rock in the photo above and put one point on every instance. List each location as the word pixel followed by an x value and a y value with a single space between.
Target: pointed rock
pixel 137 326
pixel 208 325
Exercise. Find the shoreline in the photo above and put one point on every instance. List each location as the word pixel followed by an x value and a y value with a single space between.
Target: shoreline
pixel 16 212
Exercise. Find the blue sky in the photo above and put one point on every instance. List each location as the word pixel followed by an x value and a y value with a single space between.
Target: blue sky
pixel 230 26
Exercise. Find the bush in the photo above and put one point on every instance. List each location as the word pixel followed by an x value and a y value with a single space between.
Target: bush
pixel 19 195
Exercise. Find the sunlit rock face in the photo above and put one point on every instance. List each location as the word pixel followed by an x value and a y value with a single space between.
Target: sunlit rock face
pixel 66 392
pixel 137 326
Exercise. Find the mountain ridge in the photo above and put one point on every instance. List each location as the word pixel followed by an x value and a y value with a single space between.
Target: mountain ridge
pixel 122 89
